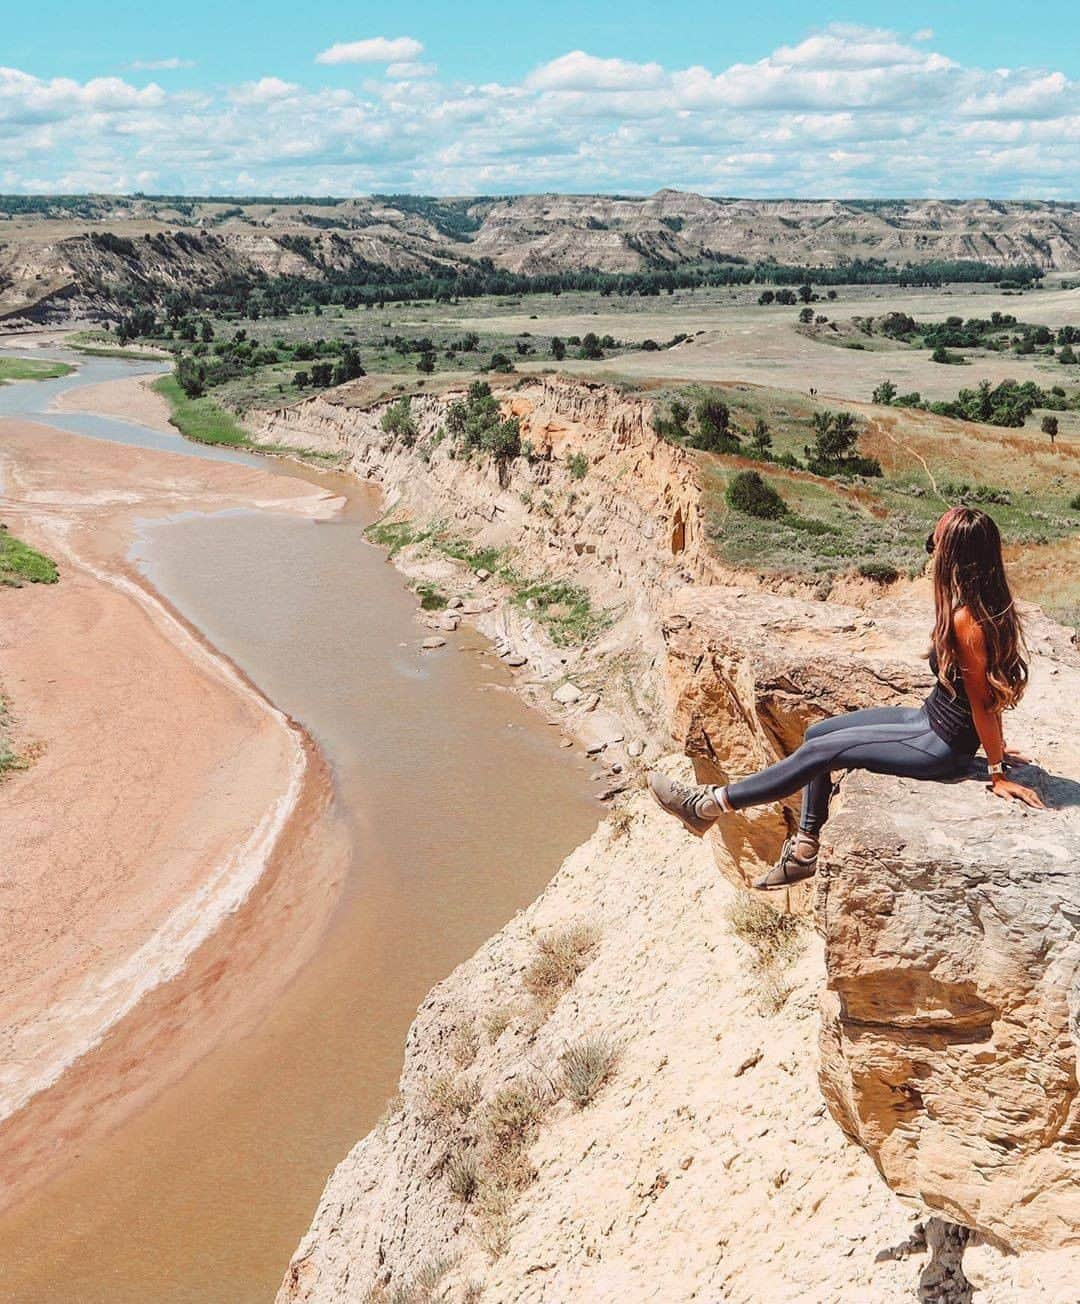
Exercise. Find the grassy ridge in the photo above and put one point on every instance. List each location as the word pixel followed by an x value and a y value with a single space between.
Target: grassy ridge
pixel 32 369
pixel 20 564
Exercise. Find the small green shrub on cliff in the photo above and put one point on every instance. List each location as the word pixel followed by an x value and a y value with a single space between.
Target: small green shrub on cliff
pixel 564 609
pixel 578 465
pixel 879 571
pixel 749 492
pixel 476 422
pixel 394 535
pixel 586 1066
pixel 432 598
pixel 399 421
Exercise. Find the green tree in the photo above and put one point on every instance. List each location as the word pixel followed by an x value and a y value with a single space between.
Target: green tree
pixel 714 431
pixel 1050 427
pixel 748 492
pixel 558 349
pixel 590 347
pixel 885 393
pixel 191 376
pixel 399 421
pixel 835 437
pixel 761 438
pixel 806 316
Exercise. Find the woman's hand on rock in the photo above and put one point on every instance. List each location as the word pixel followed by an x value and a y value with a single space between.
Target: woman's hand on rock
pixel 1002 787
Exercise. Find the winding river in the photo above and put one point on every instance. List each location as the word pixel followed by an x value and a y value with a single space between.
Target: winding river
pixel 459 805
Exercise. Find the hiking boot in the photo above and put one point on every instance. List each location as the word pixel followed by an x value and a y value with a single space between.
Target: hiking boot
pixel 683 802
pixel 788 870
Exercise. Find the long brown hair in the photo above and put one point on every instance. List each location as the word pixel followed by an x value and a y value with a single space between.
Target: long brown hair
pixel 969 572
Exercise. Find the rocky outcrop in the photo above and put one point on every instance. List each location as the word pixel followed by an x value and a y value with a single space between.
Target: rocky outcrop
pixel 951 920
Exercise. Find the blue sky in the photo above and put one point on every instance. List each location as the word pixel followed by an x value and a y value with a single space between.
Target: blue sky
pixel 333 97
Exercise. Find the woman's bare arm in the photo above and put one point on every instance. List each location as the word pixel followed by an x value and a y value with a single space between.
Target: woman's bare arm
pixel 973 666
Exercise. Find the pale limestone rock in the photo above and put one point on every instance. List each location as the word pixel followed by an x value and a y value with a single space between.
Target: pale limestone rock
pixel 951 918
pixel 567 694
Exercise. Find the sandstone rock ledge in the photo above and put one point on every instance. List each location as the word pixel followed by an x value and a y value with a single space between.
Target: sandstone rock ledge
pixel 951 919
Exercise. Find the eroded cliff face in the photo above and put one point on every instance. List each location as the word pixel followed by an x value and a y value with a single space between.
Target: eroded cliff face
pixel 630 531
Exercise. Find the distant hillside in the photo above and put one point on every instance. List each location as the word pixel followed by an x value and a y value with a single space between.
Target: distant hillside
pixel 90 256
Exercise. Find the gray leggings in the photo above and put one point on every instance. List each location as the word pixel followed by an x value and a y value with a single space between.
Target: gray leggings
pixel 884 740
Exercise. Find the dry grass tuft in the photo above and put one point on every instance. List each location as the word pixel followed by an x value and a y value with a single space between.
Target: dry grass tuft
pixel 449 1099
pixel 775 939
pixel 510 1122
pixel 464 1046
pixel 560 958
pixel 620 822
pixel 394 1107
pixel 463 1174
pixel 497 1021
pixel 586 1066
pixel 513 1114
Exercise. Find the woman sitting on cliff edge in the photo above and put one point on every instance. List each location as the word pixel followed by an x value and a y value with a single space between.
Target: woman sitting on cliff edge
pixel 977 657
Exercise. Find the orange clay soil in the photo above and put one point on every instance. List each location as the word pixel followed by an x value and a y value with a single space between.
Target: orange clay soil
pixel 168 859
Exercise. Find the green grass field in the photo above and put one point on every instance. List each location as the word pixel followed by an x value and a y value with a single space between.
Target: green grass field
pixel 20 564
pixel 201 419
pixel 32 369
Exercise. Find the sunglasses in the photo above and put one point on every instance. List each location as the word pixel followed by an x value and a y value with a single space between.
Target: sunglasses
pixel 930 543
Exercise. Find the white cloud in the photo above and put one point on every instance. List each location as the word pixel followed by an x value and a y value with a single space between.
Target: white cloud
pixel 848 110
pixel 410 71
pixel 1021 95
pixel 923 34
pixel 578 71
pixel 267 90
pixel 376 49
pixel 160 65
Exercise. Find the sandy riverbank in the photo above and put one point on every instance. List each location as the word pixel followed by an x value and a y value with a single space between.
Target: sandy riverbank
pixel 132 398
pixel 166 789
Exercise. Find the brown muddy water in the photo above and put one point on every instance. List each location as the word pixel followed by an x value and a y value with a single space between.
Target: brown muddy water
pixel 459 805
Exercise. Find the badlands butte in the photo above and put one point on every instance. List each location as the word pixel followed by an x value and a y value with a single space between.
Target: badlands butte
pixel 690 517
